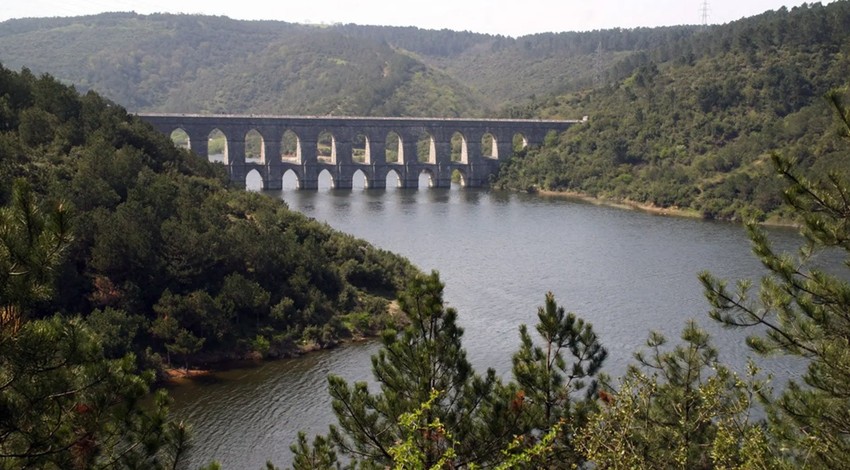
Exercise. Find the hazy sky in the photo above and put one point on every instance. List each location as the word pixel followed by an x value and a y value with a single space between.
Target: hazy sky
pixel 512 18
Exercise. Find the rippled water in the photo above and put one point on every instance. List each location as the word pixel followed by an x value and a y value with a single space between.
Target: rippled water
pixel 498 253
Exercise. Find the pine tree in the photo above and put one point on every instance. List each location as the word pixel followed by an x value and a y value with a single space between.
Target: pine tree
pixel 31 245
pixel 62 404
pixel 803 311
pixel 549 386
pixel 425 358
pixel 678 408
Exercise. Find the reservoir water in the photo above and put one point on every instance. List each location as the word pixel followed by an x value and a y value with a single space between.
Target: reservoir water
pixel 498 253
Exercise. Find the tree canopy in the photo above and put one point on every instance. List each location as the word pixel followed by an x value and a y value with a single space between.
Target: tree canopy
pixel 160 252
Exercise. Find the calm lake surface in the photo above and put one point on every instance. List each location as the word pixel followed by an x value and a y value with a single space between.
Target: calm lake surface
pixel 498 253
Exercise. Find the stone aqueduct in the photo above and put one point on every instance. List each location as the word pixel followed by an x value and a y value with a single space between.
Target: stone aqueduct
pixel 371 135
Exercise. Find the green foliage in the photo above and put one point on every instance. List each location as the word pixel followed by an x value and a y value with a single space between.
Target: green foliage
pixel 803 312
pixel 164 256
pixel 318 456
pixel 426 356
pixel 434 411
pixel 358 323
pixel 31 244
pixel 549 384
pixel 116 330
pixel 261 345
pixel 63 403
pixel 534 456
pixel 692 124
pixel 185 344
pixel 679 408
pixel 407 453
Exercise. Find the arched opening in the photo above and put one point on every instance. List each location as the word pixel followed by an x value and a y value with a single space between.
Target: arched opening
pixel 427 179
pixel 290 147
pixel 519 142
pixel 254 181
pixel 458 178
pixel 217 146
pixel 181 138
pixel 290 180
pixel 395 150
pixel 255 150
pixel 359 180
pixel 489 149
pixel 426 149
pixel 326 180
pixel 459 148
pixel 326 147
pixel 360 152
pixel 393 180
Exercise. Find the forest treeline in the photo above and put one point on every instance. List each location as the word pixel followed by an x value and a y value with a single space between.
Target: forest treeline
pixel 192 63
pixel 695 121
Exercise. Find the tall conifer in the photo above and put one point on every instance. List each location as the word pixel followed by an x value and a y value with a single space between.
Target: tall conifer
pixel 803 311
pixel 549 385
pixel 427 356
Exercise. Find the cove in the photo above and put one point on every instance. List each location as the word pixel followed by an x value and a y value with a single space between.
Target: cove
pixel 498 253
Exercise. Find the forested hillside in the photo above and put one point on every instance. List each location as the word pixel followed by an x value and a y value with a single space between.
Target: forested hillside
pixel 694 123
pixel 166 261
pixel 190 63
pixel 183 63
pixel 509 71
pixel 122 256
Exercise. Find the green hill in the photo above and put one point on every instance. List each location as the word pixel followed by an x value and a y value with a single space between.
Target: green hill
pixel 166 261
pixel 183 63
pixel 191 63
pixel 693 124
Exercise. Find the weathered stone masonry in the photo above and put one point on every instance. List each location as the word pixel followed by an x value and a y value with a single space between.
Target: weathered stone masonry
pixel 475 167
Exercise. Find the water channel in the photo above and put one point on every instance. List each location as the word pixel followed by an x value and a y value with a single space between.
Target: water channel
pixel 498 253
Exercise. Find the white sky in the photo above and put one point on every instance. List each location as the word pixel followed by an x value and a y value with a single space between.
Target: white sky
pixel 511 18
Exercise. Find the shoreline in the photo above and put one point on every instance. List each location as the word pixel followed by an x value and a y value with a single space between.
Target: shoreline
pixel 653 209
pixel 215 363
pixel 178 375
pixel 628 205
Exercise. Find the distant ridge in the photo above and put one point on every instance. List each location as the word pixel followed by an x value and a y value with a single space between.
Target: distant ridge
pixel 191 63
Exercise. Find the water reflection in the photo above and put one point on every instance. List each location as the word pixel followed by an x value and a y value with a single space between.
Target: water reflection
pixel 471 196
pixel 438 195
pixel 254 182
